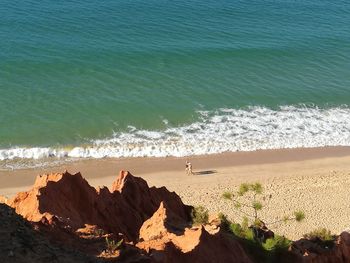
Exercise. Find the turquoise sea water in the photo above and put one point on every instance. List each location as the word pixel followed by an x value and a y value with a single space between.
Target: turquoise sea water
pixel 159 78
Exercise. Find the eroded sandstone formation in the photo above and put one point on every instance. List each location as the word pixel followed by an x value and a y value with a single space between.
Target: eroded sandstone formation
pixel 67 220
pixel 69 201
pixel 166 237
pixel 19 242
pixel 67 209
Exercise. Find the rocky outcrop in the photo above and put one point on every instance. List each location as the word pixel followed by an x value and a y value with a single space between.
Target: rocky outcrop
pixel 154 223
pixel 71 220
pixel 162 223
pixel 166 237
pixel 316 251
pixel 20 243
pixel 68 201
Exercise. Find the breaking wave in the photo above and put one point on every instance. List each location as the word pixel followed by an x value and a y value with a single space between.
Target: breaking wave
pixel 223 130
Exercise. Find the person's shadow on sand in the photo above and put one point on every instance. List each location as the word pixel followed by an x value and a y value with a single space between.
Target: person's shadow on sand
pixel 205 172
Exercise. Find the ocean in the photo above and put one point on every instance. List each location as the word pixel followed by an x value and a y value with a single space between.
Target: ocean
pixel 94 79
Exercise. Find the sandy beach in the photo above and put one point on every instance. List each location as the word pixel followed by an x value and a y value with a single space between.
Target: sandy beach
pixel 316 181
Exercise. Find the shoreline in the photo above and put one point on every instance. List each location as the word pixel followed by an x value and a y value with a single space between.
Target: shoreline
pixel 147 166
pixel 143 166
pixel 297 179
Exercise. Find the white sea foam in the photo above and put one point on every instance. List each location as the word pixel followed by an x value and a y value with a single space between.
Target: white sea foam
pixel 215 132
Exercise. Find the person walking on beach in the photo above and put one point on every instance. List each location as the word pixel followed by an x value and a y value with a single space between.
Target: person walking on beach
pixel 189 168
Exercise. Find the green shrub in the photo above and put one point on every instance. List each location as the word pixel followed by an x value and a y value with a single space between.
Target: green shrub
pixel 245 223
pixel 227 195
pixel 112 245
pixel 200 215
pixel 249 235
pixel 299 216
pixel 242 231
pixel 237 230
pixel 225 223
pixel 99 232
pixel 320 233
pixel 322 237
pixel 272 250
pixel 276 243
pixel 249 200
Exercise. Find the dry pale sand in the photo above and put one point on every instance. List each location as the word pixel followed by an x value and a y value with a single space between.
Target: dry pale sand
pixel 316 181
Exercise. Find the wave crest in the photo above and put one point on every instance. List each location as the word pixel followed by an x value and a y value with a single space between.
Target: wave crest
pixel 217 131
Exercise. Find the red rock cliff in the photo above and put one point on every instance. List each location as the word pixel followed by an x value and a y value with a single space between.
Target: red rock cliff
pixel 154 224
pixel 67 199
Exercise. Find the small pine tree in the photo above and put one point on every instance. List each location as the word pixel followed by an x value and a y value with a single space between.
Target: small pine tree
pixel 249 200
pixel 200 215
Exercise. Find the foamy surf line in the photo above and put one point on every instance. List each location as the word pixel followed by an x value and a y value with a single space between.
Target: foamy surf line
pixel 224 130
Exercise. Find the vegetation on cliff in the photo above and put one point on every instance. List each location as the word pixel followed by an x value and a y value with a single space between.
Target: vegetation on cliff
pixel 133 222
pixel 253 231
